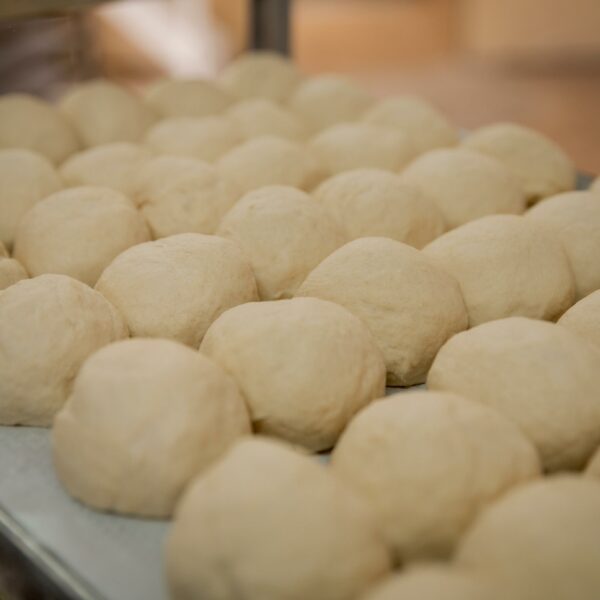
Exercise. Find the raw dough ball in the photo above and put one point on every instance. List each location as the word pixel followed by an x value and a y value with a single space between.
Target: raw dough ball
pixel 426 127
pixel 410 323
pixel 305 366
pixel 540 375
pixel 33 124
pixel 26 178
pixel 583 318
pixel 540 164
pixel 540 542
pixel 261 74
pixel 176 287
pixel 11 271
pixel 103 112
pixel 371 202
pixel 267 523
pixel 48 326
pixel 206 139
pixel 284 233
pixel 410 447
pixel 506 266
pixel 144 417
pixel 329 99
pixel 354 145
pixel 574 217
pixel 595 187
pixel 269 160
pixel 593 466
pixel 464 185
pixel 78 232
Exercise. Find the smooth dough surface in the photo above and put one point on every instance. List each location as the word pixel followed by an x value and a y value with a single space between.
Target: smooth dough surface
pixel 539 375
pixel 595 187
pixel 583 318
pixel 11 271
pixel 592 469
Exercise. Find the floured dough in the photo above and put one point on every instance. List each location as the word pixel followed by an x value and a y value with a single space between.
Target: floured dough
pixel 11 271
pixel 595 187
pixel 583 318
pixel 593 467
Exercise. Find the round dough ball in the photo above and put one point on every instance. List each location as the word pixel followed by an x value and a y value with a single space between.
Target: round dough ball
pixel 583 318
pixel 593 467
pixel 103 112
pixel 331 368
pixel 540 541
pixel 267 523
pixel 595 187
pixel 78 232
pixel 176 287
pixel 541 166
pixel 26 178
pixel 206 138
pixel 539 375
pixel 464 185
pixel 48 326
pixel 574 217
pixel 371 202
pixel 284 233
pixel 410 447
pixel 329 99
pixel 426 127
pixel 105 452
pixel 33 124
pixel 410 323
pixel 506 266
pixel 261 74
pixel 11 271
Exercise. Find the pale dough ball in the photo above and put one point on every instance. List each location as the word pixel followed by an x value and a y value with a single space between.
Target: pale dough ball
pixel 410 447
pixel 177 286
pixel 506 266
pixel 267 523
pixel 11 271
pixel 425 126
pixel 329 99
pixel 593 467
pixel 574 217
pixel 464 185
pixel 26 178
pixel 78 232
pixel 48 326
pixel 540 541
pixel 369 277
pixel 103 112
pixel 144 417
pixel 206 138
pixel 3 251
pixel 348 146
pixel 284 233
pixel 595 187
pixel 541 166
pixel 31 123
pixel 539 375
pixel 261 74
pixel 331 368
pixel 372 202
pixel 583 318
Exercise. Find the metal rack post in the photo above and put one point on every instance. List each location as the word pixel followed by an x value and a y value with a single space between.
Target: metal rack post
pixel 270 25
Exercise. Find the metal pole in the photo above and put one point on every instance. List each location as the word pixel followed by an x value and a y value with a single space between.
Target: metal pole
pixel 270 25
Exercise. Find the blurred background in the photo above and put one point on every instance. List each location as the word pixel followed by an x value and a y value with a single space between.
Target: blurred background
pixel 536 62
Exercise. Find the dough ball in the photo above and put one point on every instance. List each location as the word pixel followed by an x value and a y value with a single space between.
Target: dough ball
pixel 540 542
pixel 583 318
pixel 410 323
pixel 103 112
pixel 176 287
pixel 48 326
pixel 595 187
pixel 26 178
pixel 31 123
pixel 267 523
pixel 539 375
pixel 11 271
pixel 506 266
pixel 540 164
pixel 78 232
pixel 269 160
pixel 426 127
pixel 305 366
pixel 574 217
pixel 206 138
pixel 593 467
pixel 284 233
pixel 464 185
pixel 329 99
pixel 261 74
pixel 257 116
pixel 372 202
pixel 350 146
pixel 144 417
pixel 410 447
